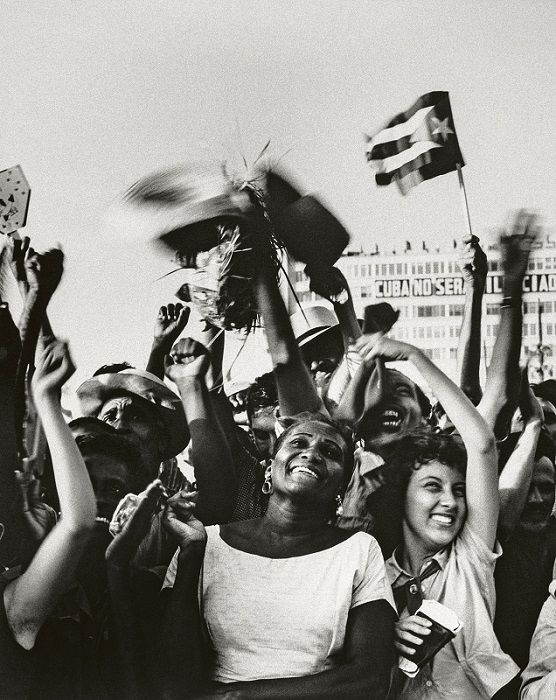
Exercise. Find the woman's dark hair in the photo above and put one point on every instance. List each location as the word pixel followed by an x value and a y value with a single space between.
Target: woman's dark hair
pixel 415 448
pixel 306 417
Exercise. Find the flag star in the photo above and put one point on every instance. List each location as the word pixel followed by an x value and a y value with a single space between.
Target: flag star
pixel 441 128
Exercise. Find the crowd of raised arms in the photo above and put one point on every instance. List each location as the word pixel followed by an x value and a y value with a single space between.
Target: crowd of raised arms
pixel 346 533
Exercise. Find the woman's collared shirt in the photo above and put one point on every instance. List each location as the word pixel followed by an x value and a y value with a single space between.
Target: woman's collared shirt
pixel 472 665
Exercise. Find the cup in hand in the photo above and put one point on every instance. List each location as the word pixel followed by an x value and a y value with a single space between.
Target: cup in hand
pixel 444 626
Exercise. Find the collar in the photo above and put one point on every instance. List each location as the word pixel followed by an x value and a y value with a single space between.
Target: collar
pixel 400 576
pixel 367 461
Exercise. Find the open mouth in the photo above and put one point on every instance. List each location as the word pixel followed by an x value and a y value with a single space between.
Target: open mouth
pixel 443 519
pixel 305 470
pixel 391 419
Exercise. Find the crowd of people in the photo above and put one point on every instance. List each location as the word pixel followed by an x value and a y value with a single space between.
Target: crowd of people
pixel 333 501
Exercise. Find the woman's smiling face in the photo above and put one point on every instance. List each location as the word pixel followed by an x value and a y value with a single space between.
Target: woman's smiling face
pixel 435 506
pixel 310 463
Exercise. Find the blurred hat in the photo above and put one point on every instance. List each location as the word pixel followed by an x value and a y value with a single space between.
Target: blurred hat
pixel 95 392
pixel 309 322
pixel 546 390
pixel 164 203
pixel 309 231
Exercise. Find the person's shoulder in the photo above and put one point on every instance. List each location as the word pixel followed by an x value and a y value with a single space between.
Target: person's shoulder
pixel 356 538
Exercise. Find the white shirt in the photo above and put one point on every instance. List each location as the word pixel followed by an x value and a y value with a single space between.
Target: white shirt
pixel 280 618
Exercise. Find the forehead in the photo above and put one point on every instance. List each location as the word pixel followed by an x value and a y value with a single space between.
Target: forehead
pixel 126 400
pixel 397 379
pixel 438 470
pixel 315 429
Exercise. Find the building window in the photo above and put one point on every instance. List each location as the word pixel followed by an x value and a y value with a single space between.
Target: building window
pixel 453 353
pixel 493 309
pixel 547 307
pixel 419 269
pixel 539 265
pixel 435 268
pixel 399 269
pixel 549 329
pixel 427 268
pixel 532 329
pixel 530 307
pixel 363 270
pixel 455 310
pixel 391 269
pixel 421 332
pixel 430 311
pixel 383 269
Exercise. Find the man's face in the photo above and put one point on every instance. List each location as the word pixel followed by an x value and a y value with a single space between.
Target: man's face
pixel 396 411
pixel 110 479
pixel 540 499
pixel 322 355
pixel 136 418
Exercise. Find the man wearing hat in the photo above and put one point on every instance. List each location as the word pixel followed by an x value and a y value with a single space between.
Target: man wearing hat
pixel 141 406
pixel 319 337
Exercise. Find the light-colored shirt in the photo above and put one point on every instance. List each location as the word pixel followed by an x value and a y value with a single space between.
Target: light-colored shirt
pixel 539 678
pixel 280 618
pixel 472 665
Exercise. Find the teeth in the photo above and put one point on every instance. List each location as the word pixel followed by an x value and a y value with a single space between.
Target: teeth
pixel 444 519
pixel 305 470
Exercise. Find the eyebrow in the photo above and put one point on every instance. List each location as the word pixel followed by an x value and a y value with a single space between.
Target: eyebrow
pixel 329 440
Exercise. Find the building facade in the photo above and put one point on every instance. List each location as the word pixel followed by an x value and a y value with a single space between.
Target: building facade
pixel 427 288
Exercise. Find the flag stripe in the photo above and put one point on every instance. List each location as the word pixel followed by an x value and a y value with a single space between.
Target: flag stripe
pixel 399 131
pixel 397 161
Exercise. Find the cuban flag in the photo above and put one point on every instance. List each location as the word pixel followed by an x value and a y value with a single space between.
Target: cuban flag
pixel 416 145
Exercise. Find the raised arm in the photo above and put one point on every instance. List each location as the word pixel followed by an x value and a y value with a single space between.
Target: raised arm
pixel 502 383
pixel 516 475
pixel 210 454
pixel 9 356
pixel 170 321
pixel 482 464
pixel 473 265
pixel 334 287
pixel 296 391
pixel 30 598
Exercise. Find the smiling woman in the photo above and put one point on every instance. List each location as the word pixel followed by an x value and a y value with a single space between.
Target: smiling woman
pixel 442 494
pixel 293 606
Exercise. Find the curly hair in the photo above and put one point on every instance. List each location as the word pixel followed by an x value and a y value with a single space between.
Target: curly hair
pixel 307 417
pixel 415 448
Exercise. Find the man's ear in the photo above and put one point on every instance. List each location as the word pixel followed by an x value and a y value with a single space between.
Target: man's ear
pixel 268 470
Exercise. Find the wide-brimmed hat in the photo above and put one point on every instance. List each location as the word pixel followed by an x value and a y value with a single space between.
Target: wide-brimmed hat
pixel 310 322
pixel 95 392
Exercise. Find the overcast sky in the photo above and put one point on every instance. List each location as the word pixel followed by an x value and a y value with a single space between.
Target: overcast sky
pixel 96 94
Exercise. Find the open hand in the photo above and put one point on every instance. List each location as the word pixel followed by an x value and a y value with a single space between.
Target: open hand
pixel 410 633
pixel 39 517
pixel 515 248
pixel 54 367
pixel 170 322
pixel 180 522
pixel 188 359
pixel 472 263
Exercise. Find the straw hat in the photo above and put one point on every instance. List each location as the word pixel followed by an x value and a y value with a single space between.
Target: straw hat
pixel 95 392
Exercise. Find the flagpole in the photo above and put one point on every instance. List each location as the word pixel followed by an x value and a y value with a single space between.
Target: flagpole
pixel 464 202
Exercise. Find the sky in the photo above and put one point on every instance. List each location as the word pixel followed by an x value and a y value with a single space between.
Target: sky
pixel 97 94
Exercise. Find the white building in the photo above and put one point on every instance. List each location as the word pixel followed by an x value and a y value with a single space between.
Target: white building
pixel 427 287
